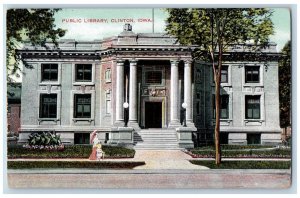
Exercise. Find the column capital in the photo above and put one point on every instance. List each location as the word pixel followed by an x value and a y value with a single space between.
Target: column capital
pixel 188 62
pixel 120 61
pixel 174 62
pixel 133 62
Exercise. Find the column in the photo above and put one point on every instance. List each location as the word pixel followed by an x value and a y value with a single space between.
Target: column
pixel 174 93
pixel 133 92
pixel 120 92
pixel 188 90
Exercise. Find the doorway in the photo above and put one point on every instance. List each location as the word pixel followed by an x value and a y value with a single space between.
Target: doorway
pixel 153 115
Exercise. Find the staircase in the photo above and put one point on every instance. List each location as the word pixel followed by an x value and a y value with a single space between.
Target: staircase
pixel 156 139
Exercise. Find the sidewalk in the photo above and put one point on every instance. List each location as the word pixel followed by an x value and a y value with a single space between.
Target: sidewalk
pixel 160 160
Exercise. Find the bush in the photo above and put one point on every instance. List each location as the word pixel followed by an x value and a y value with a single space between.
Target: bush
pixel 72 164
pixel 253 153
pixel 44 139
pixel 70 151
pixel 244 164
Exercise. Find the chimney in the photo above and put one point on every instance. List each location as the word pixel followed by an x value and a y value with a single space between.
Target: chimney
pixel 127 27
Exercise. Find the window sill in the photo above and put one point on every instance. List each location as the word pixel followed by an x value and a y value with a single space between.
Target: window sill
pixel 48 119
pixel 253 85
pixel 253 120
pixel 83 119
pixel 50 83
pixel 222 120
pixel 83 83
pixel 223 84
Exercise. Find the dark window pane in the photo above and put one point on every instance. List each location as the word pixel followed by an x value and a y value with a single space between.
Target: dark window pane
pixel 153 77
pixel 224 74
pixel 49 72
pixel 253 138
pixel 224 106
pixel 84 72
pixel 81 138
pixel 82 106
pixel 252 74
pixel 252 107
pixel 48 105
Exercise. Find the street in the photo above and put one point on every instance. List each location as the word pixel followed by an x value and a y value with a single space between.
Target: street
pixel 149 179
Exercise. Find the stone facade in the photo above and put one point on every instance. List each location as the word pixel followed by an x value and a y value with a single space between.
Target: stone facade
pixel 92 83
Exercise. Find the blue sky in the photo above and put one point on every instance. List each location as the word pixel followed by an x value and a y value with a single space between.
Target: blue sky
pixel 81 30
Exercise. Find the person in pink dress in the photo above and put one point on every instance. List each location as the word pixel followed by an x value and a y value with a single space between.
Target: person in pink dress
pixel 94 140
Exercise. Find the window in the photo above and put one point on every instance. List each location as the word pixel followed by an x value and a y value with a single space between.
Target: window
pixel 48 104
pixel 224 138
pixel 224 108
pixel 252 74
pixel 81 138
pixel 82 106
pixel 252 107
pixel 108 75
pixel 83 73
pixel 49 72
pixel 108 103
pixel 153 77
pixel 224 74
pixel 253 138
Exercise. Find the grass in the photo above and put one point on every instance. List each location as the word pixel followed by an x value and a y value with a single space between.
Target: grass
pixel 244 164
pixel 243 151
pixel 72 164
pixel 72 151
pixel 234 147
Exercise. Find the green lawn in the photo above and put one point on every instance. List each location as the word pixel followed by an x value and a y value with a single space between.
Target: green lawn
pixel 72 151
pixel 72 164
pixel 234 151
pixel 244 164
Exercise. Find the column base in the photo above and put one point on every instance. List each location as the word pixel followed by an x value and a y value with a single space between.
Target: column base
pixel 185 138
pixel 134 125
pixel 119 123
pixel 174 124
pixel 191 125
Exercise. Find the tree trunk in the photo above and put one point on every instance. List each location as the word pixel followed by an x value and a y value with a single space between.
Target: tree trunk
pixel 217 102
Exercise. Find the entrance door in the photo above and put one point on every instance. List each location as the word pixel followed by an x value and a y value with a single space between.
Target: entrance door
pixel 153 114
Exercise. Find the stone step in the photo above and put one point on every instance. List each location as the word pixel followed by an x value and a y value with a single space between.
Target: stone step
pixel 156 139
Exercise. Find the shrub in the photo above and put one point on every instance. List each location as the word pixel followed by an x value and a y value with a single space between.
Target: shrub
pixel 244 164
pixel 70 151
pixel 256 153
pixel 73 164
pixel 44 141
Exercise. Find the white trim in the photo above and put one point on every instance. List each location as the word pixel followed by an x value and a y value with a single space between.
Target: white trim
pixel 262 119
pixel 74 82
pixel 39 68
pixel 93 109
pixel 261 75
pixel 58 106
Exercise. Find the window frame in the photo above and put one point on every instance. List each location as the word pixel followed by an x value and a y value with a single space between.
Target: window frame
pixel 227 73
pixel 82 134
pixel 43 72
pixel 75 113
pixel 153 71
pixel 227 109
pixel 41 106
pixel 253 68
pixel 83 65
pixel 108 75
pixel 248 97
pixel 251 136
